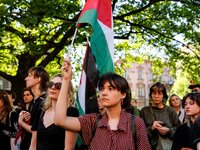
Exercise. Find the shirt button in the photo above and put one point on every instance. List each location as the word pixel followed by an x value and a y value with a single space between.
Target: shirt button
pixel 108 146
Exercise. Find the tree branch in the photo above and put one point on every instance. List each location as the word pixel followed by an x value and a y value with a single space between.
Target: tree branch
pixel 58 47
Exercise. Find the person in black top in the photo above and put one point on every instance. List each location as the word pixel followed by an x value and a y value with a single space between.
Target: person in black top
pixel 8 121
pixel 184 136
pixel 36 80
pixel 27 97
pixel 196 129
pixel 49 136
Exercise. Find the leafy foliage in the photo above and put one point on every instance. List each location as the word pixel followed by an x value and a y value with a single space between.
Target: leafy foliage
pixel 37 32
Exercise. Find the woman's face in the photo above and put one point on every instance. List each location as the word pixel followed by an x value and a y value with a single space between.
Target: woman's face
pixel 175 101
pixel 110 96
pixel 53 92
pixel 133 103
pixel 157 97
pixel 191 108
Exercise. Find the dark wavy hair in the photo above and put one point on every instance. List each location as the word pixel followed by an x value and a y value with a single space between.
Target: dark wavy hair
pixel 120 83
pixel 7 105
pixel 160 87
pixel 194 96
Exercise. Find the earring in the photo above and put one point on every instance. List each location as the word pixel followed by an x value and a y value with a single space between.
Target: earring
pixel 150 99
pixel 122 102
pixel 163 100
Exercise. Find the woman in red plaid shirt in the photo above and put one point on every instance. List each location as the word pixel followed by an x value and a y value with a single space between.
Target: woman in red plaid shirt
pixel 114 130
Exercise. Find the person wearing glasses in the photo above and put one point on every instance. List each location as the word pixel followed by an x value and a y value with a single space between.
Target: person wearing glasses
pixel 195 88
pixel 49 136
pixel 161 120
pixel 36 80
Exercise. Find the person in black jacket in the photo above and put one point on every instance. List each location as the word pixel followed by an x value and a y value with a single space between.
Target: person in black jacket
pixel 8 121
pixel 36 80
pixel 184 136
pixel 196 129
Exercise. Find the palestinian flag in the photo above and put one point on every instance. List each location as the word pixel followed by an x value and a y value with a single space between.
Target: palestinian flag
pixel 88 83
pixel 98 14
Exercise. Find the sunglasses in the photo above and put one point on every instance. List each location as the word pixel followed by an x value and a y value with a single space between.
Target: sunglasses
pixel 57 85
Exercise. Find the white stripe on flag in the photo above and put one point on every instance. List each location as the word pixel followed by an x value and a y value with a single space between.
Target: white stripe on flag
pixel 109 38
pixel 81 91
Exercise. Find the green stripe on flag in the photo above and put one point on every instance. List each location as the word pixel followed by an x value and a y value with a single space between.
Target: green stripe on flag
pixel 98 42
pixel 78 106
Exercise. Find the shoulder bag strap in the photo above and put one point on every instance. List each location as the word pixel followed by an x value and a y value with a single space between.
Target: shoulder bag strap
pixel 95 126
pixel 133 129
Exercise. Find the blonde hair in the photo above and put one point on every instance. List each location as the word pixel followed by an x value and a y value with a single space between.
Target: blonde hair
pixel 70 98
pixel 170 100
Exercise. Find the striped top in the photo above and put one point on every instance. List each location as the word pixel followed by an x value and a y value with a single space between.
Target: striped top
pixel 120 139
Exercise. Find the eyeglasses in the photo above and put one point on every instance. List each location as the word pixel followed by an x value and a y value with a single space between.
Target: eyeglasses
pixel 57 85
pixel 195 91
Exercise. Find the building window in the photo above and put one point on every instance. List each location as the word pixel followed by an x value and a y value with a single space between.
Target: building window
pixel 140 74
pixel 170 79
pixel 161 77
pixel 1 84
pixel 140 91
pixel 126 74
pixel 151 75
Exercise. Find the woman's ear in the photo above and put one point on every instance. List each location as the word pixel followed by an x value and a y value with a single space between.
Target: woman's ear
pixel 123 95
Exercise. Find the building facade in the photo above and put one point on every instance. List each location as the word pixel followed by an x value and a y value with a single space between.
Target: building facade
pixel 140 78
pixel 5 84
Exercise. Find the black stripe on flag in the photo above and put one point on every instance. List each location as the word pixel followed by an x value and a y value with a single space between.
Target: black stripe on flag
pixel 92 74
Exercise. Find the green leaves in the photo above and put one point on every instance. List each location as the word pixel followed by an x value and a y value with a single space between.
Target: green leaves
pixel 36 32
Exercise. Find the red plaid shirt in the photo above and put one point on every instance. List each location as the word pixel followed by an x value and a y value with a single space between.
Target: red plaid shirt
pixel 120 139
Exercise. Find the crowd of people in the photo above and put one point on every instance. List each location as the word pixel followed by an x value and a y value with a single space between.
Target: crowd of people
pixel 50 121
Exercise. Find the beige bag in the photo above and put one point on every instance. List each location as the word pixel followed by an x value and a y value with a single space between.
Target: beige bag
pixel 164 143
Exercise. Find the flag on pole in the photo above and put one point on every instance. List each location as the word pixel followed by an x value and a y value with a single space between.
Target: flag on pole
pixel 88 84
pixel 98 14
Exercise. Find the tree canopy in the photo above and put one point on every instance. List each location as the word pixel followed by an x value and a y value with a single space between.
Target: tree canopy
pixel 37 32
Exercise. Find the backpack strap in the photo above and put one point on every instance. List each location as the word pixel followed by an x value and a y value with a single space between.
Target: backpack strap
pixel 133 129
pixel 95 126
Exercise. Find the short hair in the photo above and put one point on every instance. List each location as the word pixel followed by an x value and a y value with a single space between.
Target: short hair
pixel 27 89
pixel 39 71
pixel 194 96
pixel 170 100
pixel 120 83
pixel 8 92
pixel 160 87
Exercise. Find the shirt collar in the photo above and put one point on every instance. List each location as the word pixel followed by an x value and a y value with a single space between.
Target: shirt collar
pixel 123 123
